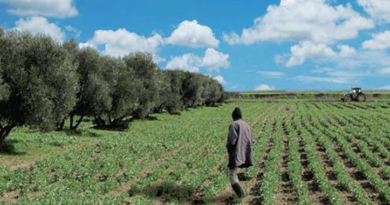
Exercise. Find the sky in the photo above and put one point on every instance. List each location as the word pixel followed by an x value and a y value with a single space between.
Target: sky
pixel 251 45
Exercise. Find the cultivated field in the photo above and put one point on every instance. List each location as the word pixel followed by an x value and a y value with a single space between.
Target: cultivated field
pixel 305 153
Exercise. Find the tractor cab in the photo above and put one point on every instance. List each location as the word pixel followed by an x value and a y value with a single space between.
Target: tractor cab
pixel 355 94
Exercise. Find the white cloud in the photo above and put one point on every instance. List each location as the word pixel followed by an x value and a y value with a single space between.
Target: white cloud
pixel 215 60
pixel 337 80
pixel 49 8
pixel 212 60
pixel 378 9
pixel 75 32
pixel 191 33
pixel 271 74
pixel 122 42
pixel 346 51
pixel 279 59
pixel 40 25
pixel 264 87
pixel 85 45
pixel 387 87
pixel 378 41
pixel 303 20
pixel 188 62
pixel 372 59
pixel 322 70
pixel 308 50
pixel 351 74
pixel 384 71
pixel 220 79
pixel 330 75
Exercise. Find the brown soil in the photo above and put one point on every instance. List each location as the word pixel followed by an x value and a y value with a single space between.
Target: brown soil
pixel 34 195
pixel 10 196
pixel 140 160
pixel 14 164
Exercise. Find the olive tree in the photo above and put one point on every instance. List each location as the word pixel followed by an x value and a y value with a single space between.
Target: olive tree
pixel 94 95
pixel 163 86
pixel 145 71
pixel 215 92
pixel 192 89
pixel 173 95
pixel 41 80
pixel 125 94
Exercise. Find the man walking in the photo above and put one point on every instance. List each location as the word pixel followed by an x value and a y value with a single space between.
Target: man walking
pixel 239 146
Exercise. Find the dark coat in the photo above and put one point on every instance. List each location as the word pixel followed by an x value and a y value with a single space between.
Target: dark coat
pixel 239 145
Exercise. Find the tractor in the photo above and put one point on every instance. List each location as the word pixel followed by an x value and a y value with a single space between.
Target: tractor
pixel 355 94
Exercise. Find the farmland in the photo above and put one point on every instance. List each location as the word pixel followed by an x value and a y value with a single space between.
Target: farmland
pixel 305 153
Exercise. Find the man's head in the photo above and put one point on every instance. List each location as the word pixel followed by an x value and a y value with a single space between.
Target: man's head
pixel 236 115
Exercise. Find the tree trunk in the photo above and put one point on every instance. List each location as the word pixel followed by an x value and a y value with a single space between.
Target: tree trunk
pixel 71 121
pixel 78 123
pixel 116 121
pixel 99 121
pixel 4 132
pixel 60 125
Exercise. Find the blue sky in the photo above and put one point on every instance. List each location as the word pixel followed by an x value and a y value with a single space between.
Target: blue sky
pixel 246 45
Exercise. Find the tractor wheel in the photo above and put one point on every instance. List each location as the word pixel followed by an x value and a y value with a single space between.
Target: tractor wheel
pixel 361 98
pixel 347 99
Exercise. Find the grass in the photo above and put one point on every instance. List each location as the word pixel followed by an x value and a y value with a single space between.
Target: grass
pixel 180 159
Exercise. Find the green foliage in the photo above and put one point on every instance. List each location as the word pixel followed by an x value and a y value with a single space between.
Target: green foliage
pixel 192 89
pixel 147 89
pixel 43 82
pixel 41 79
pixel 125 95
pixel 4 90
pixel 181 159
pixel 173 94
pixel 94 95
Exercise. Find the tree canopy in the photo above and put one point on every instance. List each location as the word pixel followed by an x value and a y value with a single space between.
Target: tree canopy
pixel 44 82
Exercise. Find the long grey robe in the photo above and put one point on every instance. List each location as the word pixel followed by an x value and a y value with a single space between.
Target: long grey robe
pixel 239 145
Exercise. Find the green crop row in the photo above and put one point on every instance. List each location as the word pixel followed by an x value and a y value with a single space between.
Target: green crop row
pixel 339 168
pixel 317 168
pixel 338 137
pixel 272 173
pixel 294 165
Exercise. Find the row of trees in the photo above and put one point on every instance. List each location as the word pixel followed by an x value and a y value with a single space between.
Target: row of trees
pixel 43 82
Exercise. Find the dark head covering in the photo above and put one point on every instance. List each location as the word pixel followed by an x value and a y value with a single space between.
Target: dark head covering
pixel 236 113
